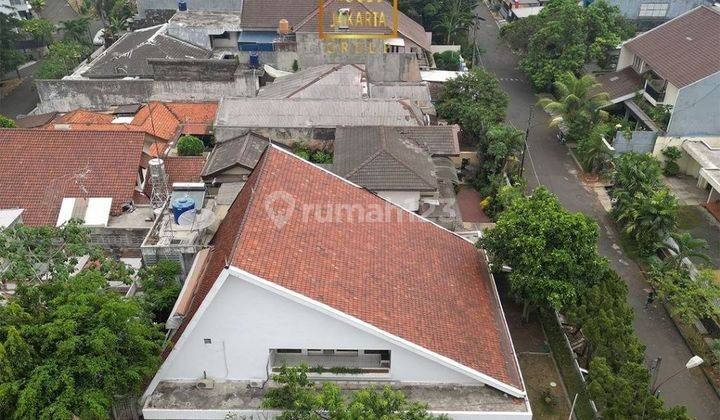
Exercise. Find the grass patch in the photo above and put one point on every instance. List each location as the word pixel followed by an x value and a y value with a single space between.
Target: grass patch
pixel 547 402
pixel 564 359
pixel 688 217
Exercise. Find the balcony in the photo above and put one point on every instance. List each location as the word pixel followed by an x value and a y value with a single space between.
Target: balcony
pixel 333 361
pixel 655 88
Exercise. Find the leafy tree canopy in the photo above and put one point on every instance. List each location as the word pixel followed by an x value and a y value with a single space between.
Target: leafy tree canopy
pixel 40 29
pixel 189 145
pixel 474 100
pixel 552 253
pixel 160 288
pixel 68 345
pixel 447 60
pixel 63 58
pixel 10 57
pixel 566 35
pixel 301 398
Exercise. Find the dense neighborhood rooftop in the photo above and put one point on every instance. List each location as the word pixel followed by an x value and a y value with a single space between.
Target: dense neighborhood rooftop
pixel 682 50
pixel 340 81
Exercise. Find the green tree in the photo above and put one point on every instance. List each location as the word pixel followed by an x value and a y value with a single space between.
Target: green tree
pixel 552 253
pixel 456 16
pixel 689 297
pixel 77 30
pixel 499 154
pixel 579 105
pixel 672 154
pixel 593 152
pixel 565 36
pixel 635 173
pixel 6 122
pixel 40 29
pixel 685 246
pixel 73 357
pixel 189 145
pixel 649 218
pixel 160 289
pixel 475 101
pixel 447 60
pixel 301 398
pixel 10 57
pixel 63 58
pixel 518 32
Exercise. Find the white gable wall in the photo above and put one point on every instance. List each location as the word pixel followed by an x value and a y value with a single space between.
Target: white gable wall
pixel 244 321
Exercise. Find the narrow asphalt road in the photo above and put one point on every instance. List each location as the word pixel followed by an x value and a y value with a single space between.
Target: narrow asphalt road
pixel 549 163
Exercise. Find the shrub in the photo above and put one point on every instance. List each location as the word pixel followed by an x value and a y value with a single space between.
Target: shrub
pixel 6 122
pixel 447 60
pixel 295 66
pixel 672 154
pixel 190 146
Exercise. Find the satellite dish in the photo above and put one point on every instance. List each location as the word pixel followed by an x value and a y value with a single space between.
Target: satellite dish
pixel 195 220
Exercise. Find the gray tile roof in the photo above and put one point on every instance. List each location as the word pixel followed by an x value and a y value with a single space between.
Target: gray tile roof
pixel 438 140
pixel 297 113
pixel 129 55
pixel 266 14
pixel 380 159
pixel 244 151
pixel 339 81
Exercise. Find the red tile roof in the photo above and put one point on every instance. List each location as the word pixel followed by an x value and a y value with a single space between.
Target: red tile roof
pixel 38 168
pixel 620 84
pixel 166 120
pixel 409 278
pixel 683 50
pixel 81 116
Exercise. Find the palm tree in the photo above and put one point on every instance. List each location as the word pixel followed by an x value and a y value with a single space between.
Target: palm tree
pixel 650 218
pixel 579 104
pixel 77 29
pixel 685 246
pixel 593 152
pixel 457 15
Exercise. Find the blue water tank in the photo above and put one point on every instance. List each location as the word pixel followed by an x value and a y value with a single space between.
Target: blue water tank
pixel 254 60
pixel 182 6
pixel 181 205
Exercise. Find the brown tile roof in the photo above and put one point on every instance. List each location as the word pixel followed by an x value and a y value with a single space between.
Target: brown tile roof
pixel 38 168
pixel 266 14
pixel 683 50
pixel 35 121
pixel 406 26
pixel 407 277
pixel 621 83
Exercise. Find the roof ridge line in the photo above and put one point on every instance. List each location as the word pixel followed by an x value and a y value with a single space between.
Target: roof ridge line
pixel 333 69
pixel 405 165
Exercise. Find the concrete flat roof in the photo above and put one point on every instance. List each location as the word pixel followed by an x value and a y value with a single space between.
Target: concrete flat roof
pixel 241 395
pixel 221 21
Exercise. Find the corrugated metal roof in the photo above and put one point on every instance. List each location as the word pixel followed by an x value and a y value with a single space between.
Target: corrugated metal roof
pixel 417 92
pixel 277 113
pixel 340 81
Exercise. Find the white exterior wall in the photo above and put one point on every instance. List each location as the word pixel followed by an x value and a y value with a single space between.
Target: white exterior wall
pixel 671 94
pixel 245 321
pixel 409 200
pixel 626 58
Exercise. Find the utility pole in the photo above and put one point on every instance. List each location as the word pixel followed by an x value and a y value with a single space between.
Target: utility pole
pixel 527 135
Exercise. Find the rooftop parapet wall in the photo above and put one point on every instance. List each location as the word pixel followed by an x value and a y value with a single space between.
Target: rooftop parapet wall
pixel 195 70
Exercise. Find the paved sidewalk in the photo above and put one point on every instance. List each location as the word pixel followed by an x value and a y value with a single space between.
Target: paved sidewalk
pixel 549 163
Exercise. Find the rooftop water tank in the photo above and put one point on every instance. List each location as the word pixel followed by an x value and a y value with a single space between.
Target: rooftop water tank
pixel 182 5
pixel 181 205
pixel 283 27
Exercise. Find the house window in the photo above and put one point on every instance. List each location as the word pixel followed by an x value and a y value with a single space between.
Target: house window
pixel 653 10
pixel 140 182
pixel 207 340
pixel 224 35
pixel 351 353
pixel 638 64
pixel 288 351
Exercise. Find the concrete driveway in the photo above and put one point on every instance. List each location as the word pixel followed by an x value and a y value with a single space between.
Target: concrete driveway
pixel 549 163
